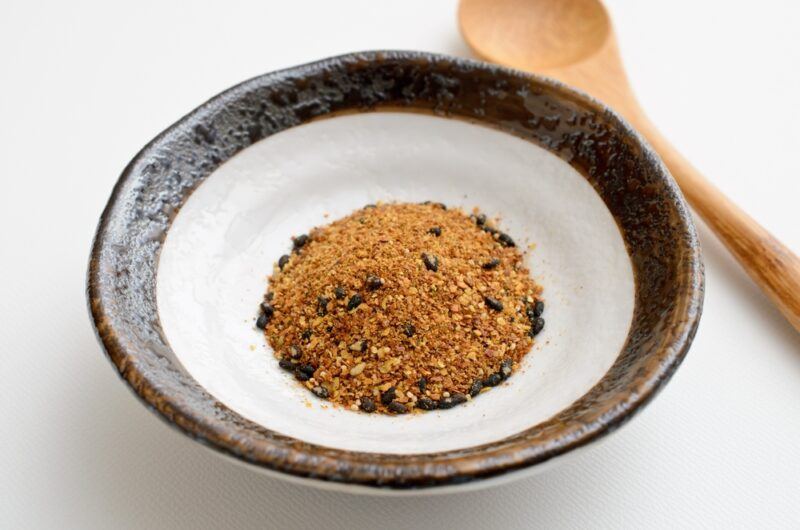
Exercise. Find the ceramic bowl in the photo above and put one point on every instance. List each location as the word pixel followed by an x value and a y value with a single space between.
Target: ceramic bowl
pixel 198 217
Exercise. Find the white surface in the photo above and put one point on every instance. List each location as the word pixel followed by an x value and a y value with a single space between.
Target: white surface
pixel 84 85
pixel 224 240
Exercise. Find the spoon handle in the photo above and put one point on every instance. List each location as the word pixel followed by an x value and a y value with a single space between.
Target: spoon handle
pixel 770 264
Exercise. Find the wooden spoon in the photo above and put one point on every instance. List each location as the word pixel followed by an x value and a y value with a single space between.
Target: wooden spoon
pixel 573 41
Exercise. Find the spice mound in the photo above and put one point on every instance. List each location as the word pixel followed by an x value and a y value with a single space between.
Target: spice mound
pixel 399 308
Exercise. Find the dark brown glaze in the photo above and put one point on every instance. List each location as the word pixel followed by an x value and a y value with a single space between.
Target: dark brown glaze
pixel 632 181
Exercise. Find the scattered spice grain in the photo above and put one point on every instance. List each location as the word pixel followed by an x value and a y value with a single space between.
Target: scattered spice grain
pixel 476 388
pixel 493 380
pixel 373 282
pixel 397 407
pixel 493 303
pixel 491 264
pixel 300 241
pixel 320 392
pixel 505 368
pixel 286 364
pixel 322 306
pixel 431 262
pixel 506 240
pixel 426 403
pixel 451 401
pixel 354 302
pixel 537 325
pixel 367 405
pixel 295 353
pixel 389 396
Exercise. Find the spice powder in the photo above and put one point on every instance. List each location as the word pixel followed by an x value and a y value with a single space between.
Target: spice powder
pixel 402 307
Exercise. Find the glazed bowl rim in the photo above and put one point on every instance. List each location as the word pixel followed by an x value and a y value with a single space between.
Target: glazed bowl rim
pixel 278 453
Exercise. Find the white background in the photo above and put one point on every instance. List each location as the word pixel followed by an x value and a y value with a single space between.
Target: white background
pixel 84 85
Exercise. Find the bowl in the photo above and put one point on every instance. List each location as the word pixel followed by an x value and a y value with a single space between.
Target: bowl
pixel 199 216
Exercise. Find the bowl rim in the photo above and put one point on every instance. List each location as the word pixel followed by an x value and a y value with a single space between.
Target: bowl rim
pixel 223 430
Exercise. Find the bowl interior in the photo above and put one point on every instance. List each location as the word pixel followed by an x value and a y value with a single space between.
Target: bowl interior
pixel 225 238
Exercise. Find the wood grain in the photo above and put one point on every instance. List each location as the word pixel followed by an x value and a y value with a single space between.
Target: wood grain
pixel 573 41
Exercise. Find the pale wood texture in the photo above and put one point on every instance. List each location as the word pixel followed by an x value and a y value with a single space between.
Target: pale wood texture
pixel 573 41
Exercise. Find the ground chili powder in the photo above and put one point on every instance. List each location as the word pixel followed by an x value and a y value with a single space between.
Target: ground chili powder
pixel 402 307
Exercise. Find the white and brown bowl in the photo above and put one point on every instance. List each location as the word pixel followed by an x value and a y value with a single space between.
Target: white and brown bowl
pixel 196 220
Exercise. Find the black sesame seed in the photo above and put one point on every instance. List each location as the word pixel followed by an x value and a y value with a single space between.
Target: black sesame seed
pixel 282 261
pixel 422 384
pixel 491 264
pixel 322 306
pixel 373 282
pixel 367 405
pixel 537 325
pixel 306 335
pixel 493 380
pixel 506 240
pixel 435 231
pixel 295 353
pixel 388 396
pixel 480 219
pixel 300 241
pixel 287 365
pixel 301 375
pixel 431 262
pixel 493 303
pixel 320 392
pixel 269 296
pixel 354 302
pixel 397 407
pixel 446 403
pixel 262 321
pixel 538 308
pixel 505 368
pixel 409 330
pixel 426 403
pixel 308 369
pixel 267 309
pixel 452 401
pixel 476 388
pixel 340 293
pixel 439 205
pixel 490 230
pixel 370 206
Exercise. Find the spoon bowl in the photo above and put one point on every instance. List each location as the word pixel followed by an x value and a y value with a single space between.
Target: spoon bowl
pixel 550 35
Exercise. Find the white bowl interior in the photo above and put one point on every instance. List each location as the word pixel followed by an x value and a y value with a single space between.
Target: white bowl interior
pixel 222 244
